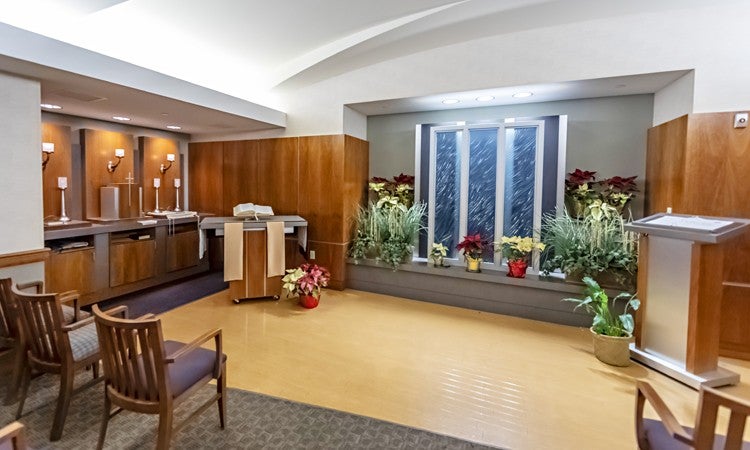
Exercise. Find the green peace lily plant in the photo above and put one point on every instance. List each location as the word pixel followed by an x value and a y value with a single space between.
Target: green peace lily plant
pixel 606 320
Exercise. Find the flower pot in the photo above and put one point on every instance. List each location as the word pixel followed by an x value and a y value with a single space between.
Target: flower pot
pixel 309 301
pixel 473 264
pixel 576 207
pixel 611 350
pixel 437 261
pixel 517 268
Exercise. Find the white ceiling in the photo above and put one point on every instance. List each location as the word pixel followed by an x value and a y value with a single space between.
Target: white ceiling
pixel 255 51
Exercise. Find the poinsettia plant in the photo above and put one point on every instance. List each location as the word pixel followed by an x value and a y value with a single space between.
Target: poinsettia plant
pixel 473 245
pixel 617 191
pixel 517 247
pixel 398 192
pixel 580 184
pixel 307 279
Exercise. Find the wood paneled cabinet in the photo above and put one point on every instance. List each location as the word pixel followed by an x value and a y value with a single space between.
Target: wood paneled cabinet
pixel 182 247
pixel 73 269
pixel 321 178
pixel 698 164
pixel 131 256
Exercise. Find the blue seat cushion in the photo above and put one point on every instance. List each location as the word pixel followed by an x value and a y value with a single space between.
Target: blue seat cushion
pixel 660 439
pixel 188 369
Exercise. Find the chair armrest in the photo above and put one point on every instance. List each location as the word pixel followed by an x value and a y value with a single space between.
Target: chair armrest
pixel 146 316
pixel 76 325
pixel 38 284
pixel 185 349
pixel 647 393
pixel 71 296
pixel 122 310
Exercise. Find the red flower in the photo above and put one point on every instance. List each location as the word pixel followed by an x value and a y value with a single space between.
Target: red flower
pixel 473 245
pixel 619 184
pixel 404 179
pixel 579 177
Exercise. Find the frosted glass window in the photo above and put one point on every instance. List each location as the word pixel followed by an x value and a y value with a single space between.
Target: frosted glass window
pixel 482 179
pixel 520 170
pixel 447 189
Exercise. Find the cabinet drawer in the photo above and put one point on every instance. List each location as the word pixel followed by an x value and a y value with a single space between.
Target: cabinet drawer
pixel 182 250
pixel 70 269
pixel 131 261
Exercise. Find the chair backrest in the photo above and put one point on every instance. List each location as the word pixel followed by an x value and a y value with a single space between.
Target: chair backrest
pixel 133 355
pixel 8 324
pixel 42 321
pixel 705 423
pixel 12 437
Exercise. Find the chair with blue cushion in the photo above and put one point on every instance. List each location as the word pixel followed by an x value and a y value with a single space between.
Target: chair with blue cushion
pixel 667 433
pixel 55 346
pixel 144 373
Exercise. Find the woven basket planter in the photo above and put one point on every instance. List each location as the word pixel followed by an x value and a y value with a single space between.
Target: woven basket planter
pixel 611 350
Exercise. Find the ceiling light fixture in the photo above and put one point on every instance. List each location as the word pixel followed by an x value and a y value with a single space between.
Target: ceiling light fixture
pixel 174 127
pixel 451 101
pixel 121 118
pixel 50 106
pixel 485 98
pixel 522 94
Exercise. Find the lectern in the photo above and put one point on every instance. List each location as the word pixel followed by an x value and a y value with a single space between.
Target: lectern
pixel 680 275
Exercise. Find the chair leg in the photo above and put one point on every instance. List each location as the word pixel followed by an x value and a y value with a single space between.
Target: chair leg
pixel 165 430
pixel 19 363
pixel 221 389
pixel 105 420
pixel 95 369
pixel 63 401
pixel 25 381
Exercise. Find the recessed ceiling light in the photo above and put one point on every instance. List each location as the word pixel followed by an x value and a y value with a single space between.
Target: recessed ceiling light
pixel 522 94
pixel 121 118
pixel 174 127
pixel 50 106
pixel 485 98
pixel 451 101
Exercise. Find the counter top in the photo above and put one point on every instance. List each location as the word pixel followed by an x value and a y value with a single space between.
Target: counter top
pixel 113 226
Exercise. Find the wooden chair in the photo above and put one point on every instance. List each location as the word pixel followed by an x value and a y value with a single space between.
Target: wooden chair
pixel 10 336
pixel 667 433
pixel 144 373
pixel 12 437
pixel 54 346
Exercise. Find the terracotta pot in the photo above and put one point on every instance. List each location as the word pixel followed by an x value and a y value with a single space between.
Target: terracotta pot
pixel 308 301
pixel 473 264
pixel 517 268
pixel 611 350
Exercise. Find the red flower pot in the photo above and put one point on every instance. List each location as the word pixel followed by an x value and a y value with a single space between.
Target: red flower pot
pixel 308 301
pixel 517 268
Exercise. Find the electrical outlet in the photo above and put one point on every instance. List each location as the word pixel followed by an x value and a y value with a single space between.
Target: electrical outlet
pixel 740 120
pixel 312 254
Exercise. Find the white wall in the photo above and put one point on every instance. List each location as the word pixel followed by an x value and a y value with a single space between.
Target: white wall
pixel 20 165
pixel 675 99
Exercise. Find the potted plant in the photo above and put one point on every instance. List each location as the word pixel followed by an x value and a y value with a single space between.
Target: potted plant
pixel 306 281
pixel 618 191
pixel 516 250
pixel 596 245
pixel 612 332
pixel 579 191
pixel 473 246
pixel 438 254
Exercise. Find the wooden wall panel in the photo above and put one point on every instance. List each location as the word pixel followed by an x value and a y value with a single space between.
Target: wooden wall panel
pixel 206 177
pixel 98 147
pixel 321 167
pixel 665 166
pixel 154 151
pixel 59 165
pixel 278 174
pixel 332 257
pixel 240 174
pixel 356 172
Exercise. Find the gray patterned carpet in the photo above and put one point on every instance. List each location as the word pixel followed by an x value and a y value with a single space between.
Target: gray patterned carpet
pixel 254 421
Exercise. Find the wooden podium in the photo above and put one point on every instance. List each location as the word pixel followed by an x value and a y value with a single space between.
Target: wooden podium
pixel 680 275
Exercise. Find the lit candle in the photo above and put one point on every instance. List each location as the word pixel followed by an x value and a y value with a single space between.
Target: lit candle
pixel 176 182
pixel 62 182
pixel 170 156
pixel 120 152
pixel 157 182
pixel 48 147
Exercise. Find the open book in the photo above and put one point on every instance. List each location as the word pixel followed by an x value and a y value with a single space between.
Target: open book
pixel 252 210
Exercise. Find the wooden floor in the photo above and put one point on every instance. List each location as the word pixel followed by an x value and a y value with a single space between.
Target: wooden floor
pixel 483 377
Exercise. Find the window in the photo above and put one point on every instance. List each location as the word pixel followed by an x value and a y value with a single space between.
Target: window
pixel 486 178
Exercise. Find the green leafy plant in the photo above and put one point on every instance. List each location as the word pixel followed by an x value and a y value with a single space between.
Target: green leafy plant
pixel 582 190
pixel 589 246
pixel 606 320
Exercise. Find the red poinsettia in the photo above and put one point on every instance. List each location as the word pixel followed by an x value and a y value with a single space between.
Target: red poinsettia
pixel 579 177
pixel 473 245
pixel 404 179
pixel 622 185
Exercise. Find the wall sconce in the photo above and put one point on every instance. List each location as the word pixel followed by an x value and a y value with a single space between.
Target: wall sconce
pixel 48 148
pixel 119 154
pixel 162 168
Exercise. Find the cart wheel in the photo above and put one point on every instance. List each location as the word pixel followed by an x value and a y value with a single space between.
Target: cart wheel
pixel 236 301
pixel 275 297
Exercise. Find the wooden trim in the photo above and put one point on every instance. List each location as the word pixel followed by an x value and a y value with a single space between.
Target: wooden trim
pixel 21 258
pixel 640 315
pixel 704 316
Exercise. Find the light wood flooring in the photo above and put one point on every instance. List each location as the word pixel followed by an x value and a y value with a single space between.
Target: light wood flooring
pixel 482 377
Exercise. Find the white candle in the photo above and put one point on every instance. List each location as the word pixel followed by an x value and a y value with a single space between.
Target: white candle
pixel 157 182
pixel 176 182
pixel 119 152
pixel 170 156
pixel 62 182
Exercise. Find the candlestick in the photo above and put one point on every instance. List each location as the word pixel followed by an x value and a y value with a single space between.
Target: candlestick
pixel 157 182
pixel 140 201
pixel 62 182
pixel 63 217
pixel 156 187
pixel 176 182
pixel 177 199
